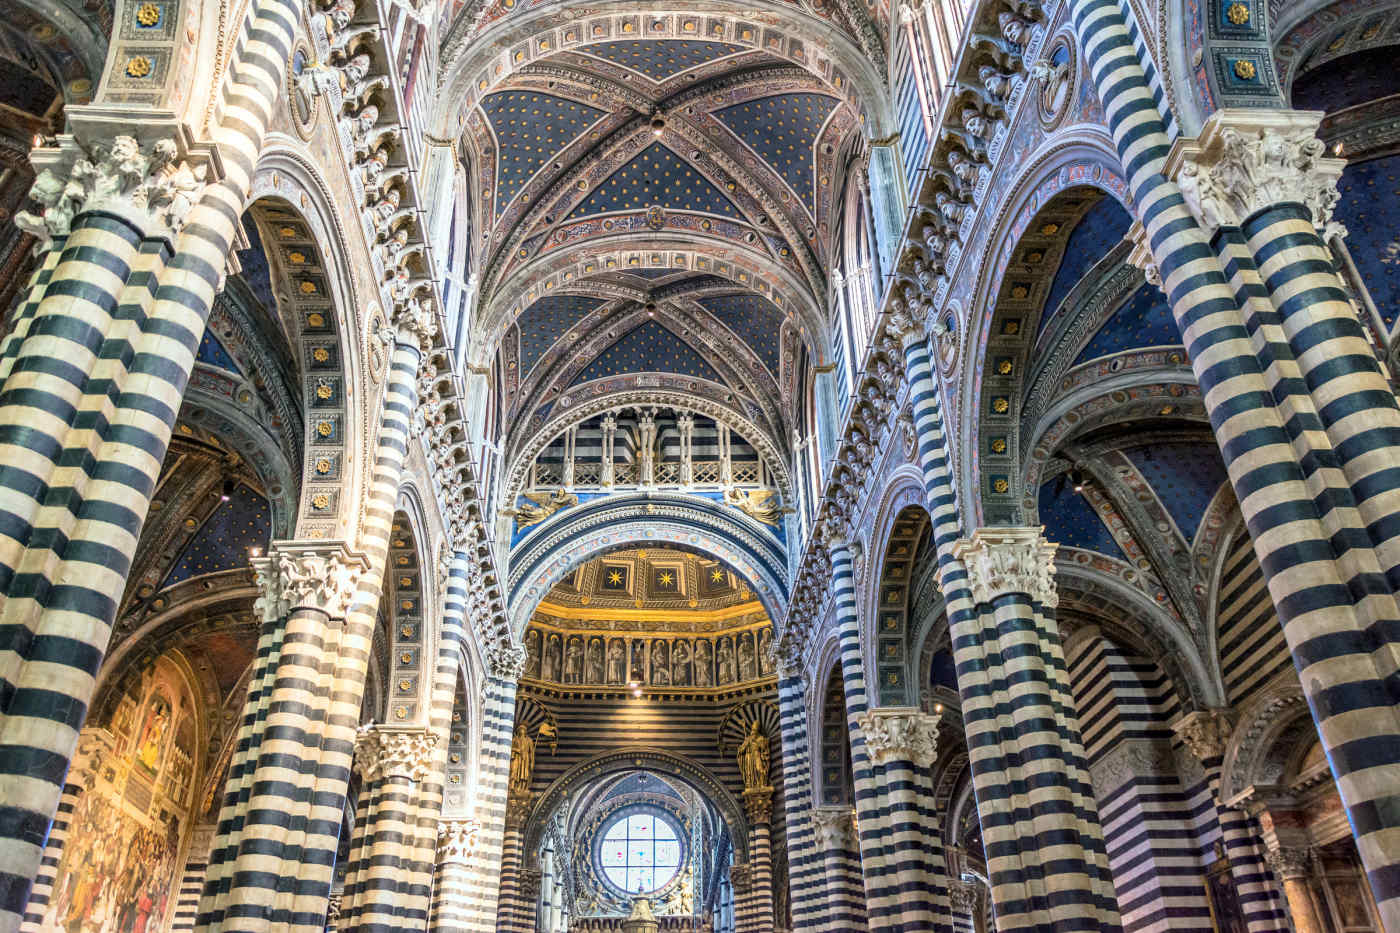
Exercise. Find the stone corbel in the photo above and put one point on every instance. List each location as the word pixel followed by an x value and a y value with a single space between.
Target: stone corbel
pixel 1248 160
pixel 1009 560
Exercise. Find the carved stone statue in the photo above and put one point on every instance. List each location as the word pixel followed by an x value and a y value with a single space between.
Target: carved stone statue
pixel 522 761
pixel 595 661
pixel 532 653
pixel 680 664
pixel 617 662
pixel 703 656
pixel 726 661
pixel 660 664
pixel 748 667
pixel 753 758
pixel 573 661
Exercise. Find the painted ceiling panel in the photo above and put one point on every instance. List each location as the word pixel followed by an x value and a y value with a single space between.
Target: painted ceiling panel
pixel 756 321
pixel 222 542
pixel 255 271
pixel 662 59
pixel 783 130
pixel 213 353
pixel 1370 208
pixel 1101 229
pixel 1070 520
pixel 657 176
pixel 530 128
pixel 649 348
pixel 546 321
pixel 1144 320
pixel 1185 476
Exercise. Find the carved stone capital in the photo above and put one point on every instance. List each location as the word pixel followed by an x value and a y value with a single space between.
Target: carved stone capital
pixel 1205 733
pixel 518 810
pixel 530 884
pixel 962 896
pixel 1288 862
pixel 900 734
pixel 506 660
pixel 152 182
pixel 382 753
pixel 740 877
pixel 457 841
pixel 269 605
pixel 834 828
pixel 317 575
pixel 1247 160
pixel 1009 560
pixel 758 804
pixel 835 536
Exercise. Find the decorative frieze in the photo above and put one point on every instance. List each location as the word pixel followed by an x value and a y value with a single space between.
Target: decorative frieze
pixel 1009 560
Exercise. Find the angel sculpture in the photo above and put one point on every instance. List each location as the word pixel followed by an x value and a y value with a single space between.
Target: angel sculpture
pixel 758 504
pixel 544 505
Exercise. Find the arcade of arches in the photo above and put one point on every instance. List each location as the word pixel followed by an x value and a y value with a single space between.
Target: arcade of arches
pixel 781 465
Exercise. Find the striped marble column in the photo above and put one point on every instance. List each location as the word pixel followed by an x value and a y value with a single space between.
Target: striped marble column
pixel 902 743
pixel 758 916
pixel 1204 733
pixel 741 886
pixel 516 913
pixel 259 866
pixel 964 897
pixel 1049 867
pixel 806 884
pixel 1337 608
pixel 453 876
pixel 481 901
pixel 845 892
pixel 392 764
pixel 881 893
pixel 75 535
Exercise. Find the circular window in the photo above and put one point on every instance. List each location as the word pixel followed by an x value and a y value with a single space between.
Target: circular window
pixel 639 851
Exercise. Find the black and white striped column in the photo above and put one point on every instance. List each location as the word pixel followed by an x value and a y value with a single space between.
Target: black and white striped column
pixel 845 891
pixel 1336 605
pixel 806 885
pixel 453 876
pixel 757 915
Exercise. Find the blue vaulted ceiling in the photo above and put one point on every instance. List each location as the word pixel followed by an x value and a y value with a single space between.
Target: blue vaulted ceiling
pixel 1185 476
pixel 547 320
pixel 656 176
pixel 1144 320
pixel 1101 229
pixel 1070 519
pixel 754 319
pixel 649 348
pixel 530 128
pixel 222 542
pixel 662 59
pixel 784 130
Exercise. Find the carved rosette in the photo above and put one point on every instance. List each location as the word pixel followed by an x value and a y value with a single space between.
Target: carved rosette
pixel 900 734
pixel 152 183
pixel 1245 161
pixel 834 828
pixel 320 575
pixel 1009 560
pixel 740 877
pixel 1288 863
pixel 1205 733
pixel 457 841
pixel 758 804
pixel 394 755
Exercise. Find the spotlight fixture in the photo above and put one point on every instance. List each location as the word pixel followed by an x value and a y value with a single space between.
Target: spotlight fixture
pixel 658 122
pixel 651 309
pixel 227 492
pixel 1077 479
pixel 255 552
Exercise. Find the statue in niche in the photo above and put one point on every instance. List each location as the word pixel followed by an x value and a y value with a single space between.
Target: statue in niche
pixel 573 661
pixel 532 653
pixel 660 664
pixel 703 655
pixel 680 664
pixel 549 670
pixel 725 655
pixel 522 761
pixel 753 758
pixel 595 661
pixel 765 650
pixel 639 662
pixel 617 661
pixel 748 667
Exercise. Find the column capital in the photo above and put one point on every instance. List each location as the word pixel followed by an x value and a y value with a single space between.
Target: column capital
pixel 1288 862
pixel 1009 560
pixel 1247 160
pixel 962 895
pixel 506 660
pixel 390 753
pixel 1205 732
pixel 758 804
pixel 740 877
pixel 457 841
pixel 900 733
pixel 834 827
pixel 153 180
pixel 320 575
pixel 530 879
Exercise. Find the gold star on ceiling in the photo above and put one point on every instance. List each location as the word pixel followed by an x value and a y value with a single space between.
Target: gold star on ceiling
pixel 615 577
pixel 666 579
pixel 716 575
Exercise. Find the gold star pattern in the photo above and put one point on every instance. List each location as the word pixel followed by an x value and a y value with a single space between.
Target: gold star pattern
pixel 530 129
pixel 716 575
pixel 615 578
pixel 666 579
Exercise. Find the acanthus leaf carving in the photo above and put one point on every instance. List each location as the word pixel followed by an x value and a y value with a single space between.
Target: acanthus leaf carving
pixel 900 735
pixel 1009 560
